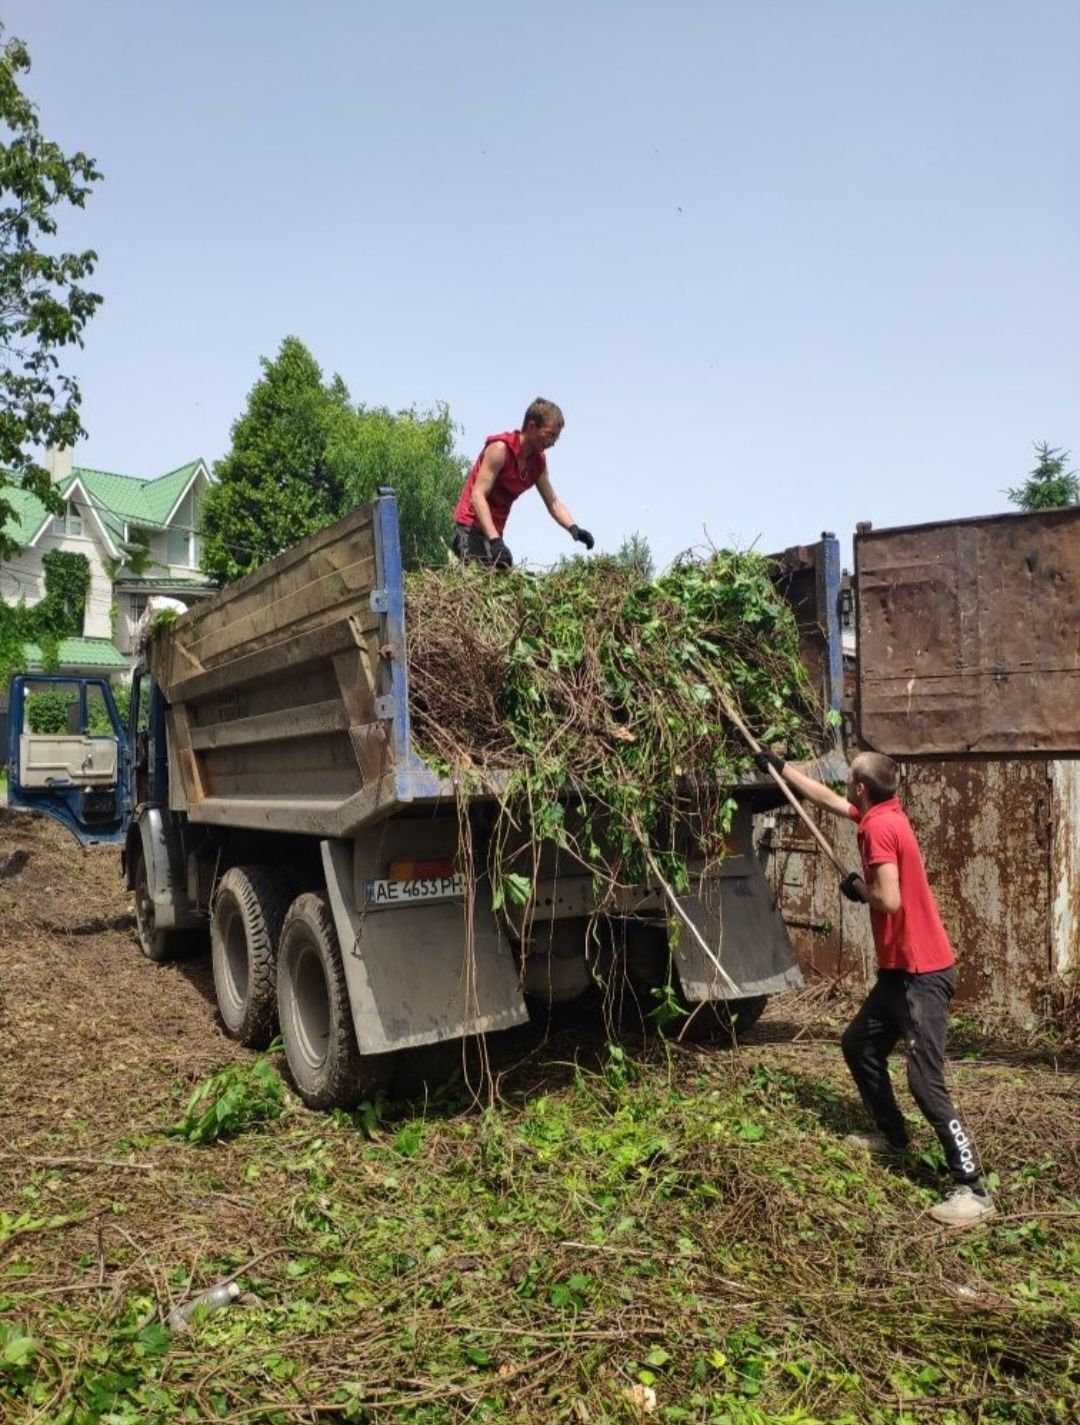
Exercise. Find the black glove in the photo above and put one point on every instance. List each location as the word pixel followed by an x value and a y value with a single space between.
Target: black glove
pixel 850 885
pixel 499 555
pixel 765 760
pixel 582 536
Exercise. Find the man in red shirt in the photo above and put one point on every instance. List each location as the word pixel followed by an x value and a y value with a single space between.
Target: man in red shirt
pixel 916 978
pixel 508 465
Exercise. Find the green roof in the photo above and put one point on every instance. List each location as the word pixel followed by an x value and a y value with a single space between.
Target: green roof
pixel 29 513
pixel 173 581
pixel 79 653
pixel 117 500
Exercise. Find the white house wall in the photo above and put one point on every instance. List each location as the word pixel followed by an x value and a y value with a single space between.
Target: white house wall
pixel 23 577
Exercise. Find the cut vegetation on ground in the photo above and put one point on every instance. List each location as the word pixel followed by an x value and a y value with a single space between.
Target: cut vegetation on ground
pixel 622 1233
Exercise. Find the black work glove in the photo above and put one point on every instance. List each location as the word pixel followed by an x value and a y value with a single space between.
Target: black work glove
pixel 499 555
pixel 765 760
pixel 582 536
pixel 852 887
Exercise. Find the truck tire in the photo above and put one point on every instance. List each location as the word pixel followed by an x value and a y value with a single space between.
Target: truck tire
pixel 723 1019
pixel 313 1009
pixel 157 945
pixel 249 907
pixel 648 967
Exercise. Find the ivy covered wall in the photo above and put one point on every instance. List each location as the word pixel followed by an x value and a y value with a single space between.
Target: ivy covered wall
pixel 58 615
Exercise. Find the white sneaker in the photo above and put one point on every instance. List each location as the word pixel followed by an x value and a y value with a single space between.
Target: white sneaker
pixel 875 1143
pixel 962 1207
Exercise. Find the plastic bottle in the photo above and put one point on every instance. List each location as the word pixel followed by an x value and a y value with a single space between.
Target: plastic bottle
pixel 212 1299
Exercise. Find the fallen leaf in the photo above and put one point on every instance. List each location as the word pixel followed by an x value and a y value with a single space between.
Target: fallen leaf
pixel 642 1398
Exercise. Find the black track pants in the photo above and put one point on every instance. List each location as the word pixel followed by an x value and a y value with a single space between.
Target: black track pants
pixel 470 542
pixel 916 1009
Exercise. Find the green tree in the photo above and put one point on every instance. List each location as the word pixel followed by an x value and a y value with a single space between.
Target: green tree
pixel 1049 485
pixel 278 482
pixel 635 553
pixel 412 451
pixel 43 306
pixel 303 455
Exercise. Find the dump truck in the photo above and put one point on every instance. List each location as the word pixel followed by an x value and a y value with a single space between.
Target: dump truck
pixel 266 790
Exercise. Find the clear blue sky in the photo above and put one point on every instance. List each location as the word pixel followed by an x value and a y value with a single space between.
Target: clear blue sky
pixel 785 265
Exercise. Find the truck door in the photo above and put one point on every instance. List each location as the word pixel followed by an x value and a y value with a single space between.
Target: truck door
pixel 68 754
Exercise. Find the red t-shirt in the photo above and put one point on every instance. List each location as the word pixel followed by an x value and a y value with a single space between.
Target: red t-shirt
pixel 513 480
pixel 913 937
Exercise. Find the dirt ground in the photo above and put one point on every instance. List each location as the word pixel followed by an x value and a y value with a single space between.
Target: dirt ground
pixel 84 1016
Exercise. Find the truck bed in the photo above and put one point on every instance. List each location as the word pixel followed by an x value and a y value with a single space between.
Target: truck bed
pixel 288 690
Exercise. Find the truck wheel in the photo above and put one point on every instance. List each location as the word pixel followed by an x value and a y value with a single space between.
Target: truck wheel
pixel 157 945
pixel 720 1019
pixel 249 906
pixel 313 1007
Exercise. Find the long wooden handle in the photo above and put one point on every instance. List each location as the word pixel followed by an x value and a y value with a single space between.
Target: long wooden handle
pixel 734 717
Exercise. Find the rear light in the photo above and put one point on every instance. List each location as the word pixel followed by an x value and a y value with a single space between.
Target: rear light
pixel 420 870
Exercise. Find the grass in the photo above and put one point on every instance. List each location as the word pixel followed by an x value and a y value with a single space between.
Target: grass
pixel 617 1223
pixel 633 1234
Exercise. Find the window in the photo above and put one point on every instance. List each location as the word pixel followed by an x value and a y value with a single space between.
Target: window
pixel 176 547
pixel 70 522
pixel 136 607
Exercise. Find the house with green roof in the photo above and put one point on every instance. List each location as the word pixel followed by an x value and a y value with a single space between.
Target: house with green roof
pixel 140 535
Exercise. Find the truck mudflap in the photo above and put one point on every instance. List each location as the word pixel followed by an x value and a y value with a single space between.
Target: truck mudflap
pixel 735 909
pixel 408 982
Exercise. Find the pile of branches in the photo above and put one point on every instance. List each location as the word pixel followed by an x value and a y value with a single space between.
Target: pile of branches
pixel 590 703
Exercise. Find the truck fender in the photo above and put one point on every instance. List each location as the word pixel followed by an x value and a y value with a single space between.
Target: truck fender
pixel 155 837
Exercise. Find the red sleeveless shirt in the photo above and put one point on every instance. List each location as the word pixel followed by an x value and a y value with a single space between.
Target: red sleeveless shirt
pixel 513 480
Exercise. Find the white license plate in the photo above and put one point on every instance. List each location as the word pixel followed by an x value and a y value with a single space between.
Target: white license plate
pixel 418 888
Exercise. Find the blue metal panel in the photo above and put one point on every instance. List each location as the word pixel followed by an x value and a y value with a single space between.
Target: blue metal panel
pixel 828 604
pixel 414 778
pixel 65 802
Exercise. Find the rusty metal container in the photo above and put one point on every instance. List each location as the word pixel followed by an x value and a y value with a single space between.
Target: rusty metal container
pixel 969 636
pixel 968 673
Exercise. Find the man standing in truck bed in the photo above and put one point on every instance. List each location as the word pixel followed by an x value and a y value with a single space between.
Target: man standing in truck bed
pixel 915 982
pixel 508 465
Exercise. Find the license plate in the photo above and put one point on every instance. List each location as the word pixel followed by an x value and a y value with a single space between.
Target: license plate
pixel 415 889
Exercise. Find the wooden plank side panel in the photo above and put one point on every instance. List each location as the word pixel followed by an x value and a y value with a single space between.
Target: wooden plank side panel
pixel 280 615
pixel 314 720
pixel 309 647
pixel 313 767
pixel 969 636
pixel 312 816
pixel 287 571
pixel 216 627
pixel 191 772
pixel 274 685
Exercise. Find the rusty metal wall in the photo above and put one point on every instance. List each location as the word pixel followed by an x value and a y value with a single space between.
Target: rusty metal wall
pixel 1001 842
pixel 967 636
pixel 984 829
pixel 1065 868
pixel 830 935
